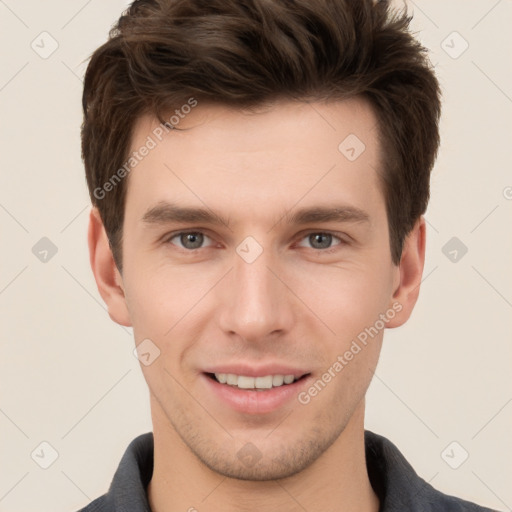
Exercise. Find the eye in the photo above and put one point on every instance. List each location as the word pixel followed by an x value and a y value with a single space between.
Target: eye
pixel 194 240
pixel 322 241
pixel 189 240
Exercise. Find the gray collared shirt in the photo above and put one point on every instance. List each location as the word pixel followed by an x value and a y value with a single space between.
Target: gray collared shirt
pixel 395 482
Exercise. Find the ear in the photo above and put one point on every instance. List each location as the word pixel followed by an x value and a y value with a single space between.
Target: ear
pixel 409 274
pixel 108 278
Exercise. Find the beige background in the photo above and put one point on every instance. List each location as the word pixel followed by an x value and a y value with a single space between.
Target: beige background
pixel 68 375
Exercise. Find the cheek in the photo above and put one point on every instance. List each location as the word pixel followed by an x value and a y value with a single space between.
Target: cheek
pixel 165 300
pixel 164 308
pixel 350 303
pixel 347 298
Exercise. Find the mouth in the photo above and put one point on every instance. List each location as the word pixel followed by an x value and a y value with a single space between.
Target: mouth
pixel 254 389
pixel 248 383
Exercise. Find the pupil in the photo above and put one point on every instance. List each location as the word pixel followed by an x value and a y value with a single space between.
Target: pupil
pixel 192 240
pixel 318 237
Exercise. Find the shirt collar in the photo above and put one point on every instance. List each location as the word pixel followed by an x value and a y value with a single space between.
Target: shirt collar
pixel 393 479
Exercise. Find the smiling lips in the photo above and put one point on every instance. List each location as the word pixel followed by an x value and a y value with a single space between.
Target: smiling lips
pixel 257 383
pixel 252 377
pixel 254 391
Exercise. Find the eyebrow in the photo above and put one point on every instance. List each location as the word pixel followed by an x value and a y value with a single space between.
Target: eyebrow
pixel 166 213
pixel 327 214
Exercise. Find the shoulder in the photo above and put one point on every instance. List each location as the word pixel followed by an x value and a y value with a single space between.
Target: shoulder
pixel 98 505
pixel 433 500
pixel 400 488
pixel 130 480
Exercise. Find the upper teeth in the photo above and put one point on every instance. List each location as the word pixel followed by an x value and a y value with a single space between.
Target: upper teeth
pixel 245 382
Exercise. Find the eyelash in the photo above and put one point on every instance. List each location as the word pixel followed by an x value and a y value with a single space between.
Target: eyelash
pixel 329 250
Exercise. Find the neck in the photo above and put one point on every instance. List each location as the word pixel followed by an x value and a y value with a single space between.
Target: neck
pixel 337 480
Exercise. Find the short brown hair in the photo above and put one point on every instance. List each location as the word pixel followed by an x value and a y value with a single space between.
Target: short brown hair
pixel 244 53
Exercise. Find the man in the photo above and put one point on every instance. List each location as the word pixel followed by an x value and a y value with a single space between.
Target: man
pixel 259 171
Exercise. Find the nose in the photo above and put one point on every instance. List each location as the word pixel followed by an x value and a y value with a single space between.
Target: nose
pixel 256 303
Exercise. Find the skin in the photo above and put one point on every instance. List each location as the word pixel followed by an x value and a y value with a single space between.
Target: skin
pixel 295 304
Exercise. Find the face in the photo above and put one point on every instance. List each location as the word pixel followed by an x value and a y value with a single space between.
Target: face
pixel 256 248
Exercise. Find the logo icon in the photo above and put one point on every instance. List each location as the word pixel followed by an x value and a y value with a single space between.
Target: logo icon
pixel 146 352
pixel 454 45
pixel 351 147
pixel 44 45
pixel 454 455
pixel 44 455
pixel 249 455
pixel 249 249
pixel 454 249
pixel 44 250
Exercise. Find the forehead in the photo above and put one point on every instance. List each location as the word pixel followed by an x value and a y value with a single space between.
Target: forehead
pixel 264 159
